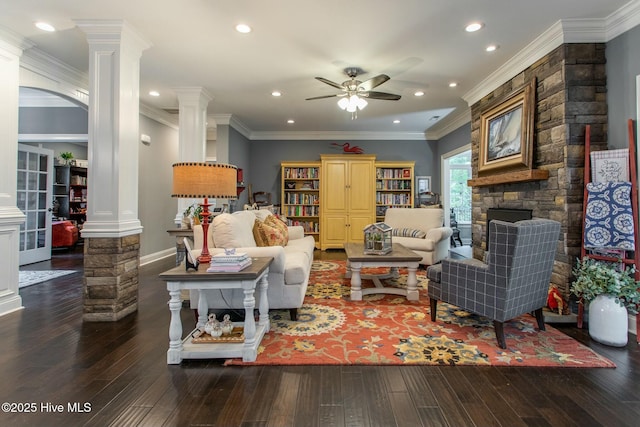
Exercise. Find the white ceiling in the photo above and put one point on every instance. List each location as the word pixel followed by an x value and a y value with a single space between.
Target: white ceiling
pixel 420 44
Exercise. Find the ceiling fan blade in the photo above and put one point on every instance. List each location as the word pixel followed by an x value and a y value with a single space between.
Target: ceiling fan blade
pixel 374 82
pixel 323 96
pixel 380 95
pixel 330 83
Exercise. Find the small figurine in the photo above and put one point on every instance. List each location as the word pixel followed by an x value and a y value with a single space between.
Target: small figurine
pixel 347 148
pixel 211 324
pixel 227 325
pixel 216 331
pixel 555 302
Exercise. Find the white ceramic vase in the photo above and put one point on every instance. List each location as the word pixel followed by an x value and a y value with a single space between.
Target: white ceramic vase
pixel 608 322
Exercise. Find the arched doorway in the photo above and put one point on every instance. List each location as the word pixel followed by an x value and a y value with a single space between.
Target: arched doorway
pixel 50 124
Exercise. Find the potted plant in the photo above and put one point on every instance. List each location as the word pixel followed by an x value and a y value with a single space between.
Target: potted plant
pixel 192 215
pixel 66 157
pixel 610 290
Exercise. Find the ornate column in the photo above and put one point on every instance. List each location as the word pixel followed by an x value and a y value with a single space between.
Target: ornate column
pixel 11 217
pixel 192 133
pixel 112 231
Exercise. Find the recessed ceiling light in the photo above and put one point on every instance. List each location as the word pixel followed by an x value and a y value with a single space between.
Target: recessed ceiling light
pixel 243 28
pixel 419 93
pixel 396 121
pixel 276 93
pixel 491 48
pixel 45 26
pixel 474 26
pixel 291 121
pixel 154 93
pixel 453 84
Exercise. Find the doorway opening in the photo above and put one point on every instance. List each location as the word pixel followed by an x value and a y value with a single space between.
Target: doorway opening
pixel 456 170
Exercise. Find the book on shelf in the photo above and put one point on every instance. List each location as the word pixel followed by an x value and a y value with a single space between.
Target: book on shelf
pixel 228 267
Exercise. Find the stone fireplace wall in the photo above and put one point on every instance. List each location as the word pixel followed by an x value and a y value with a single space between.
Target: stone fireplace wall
pixel 571 93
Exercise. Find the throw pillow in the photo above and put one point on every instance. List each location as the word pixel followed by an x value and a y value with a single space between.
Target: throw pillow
pixel 408 232
pixel 268 235
pixel 280 225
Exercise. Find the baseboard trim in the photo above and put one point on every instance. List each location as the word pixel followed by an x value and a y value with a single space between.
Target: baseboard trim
pixel 157 256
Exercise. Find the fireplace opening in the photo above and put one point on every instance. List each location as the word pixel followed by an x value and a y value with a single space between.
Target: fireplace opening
pixel 506 214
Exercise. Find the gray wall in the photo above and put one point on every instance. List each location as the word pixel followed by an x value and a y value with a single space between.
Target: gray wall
pixel 239 155
pixel 156 208
pixel 454 140
pixel 266 157
pixel 64 120
pixel 623 65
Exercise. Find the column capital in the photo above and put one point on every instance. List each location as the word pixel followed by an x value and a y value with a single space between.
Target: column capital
pixel 106 31
pixel 193 96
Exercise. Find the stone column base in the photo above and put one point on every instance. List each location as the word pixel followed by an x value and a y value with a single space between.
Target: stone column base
pixel 110 277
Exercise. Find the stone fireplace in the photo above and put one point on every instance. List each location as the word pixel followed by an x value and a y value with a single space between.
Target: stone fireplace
pixel 570 93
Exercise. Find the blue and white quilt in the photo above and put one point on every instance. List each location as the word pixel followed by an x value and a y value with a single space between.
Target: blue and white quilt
pixel 609 216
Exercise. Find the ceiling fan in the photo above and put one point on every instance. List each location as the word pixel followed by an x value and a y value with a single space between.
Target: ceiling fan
pixel 354 91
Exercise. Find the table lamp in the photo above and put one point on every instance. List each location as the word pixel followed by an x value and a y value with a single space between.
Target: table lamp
pixel 204 180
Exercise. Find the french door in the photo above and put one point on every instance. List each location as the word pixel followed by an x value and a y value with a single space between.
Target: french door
pixel 34 200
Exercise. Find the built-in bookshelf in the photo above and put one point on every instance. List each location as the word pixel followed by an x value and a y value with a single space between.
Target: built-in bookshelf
pixel 70 193
pixel 300 202
pixel 394 186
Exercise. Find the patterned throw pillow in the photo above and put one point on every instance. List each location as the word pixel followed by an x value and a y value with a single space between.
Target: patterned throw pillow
pixel 274 221
pixel 267 235
pixel 408 232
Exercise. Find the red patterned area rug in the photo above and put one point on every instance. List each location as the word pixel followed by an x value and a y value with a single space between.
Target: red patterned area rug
pixel 389 330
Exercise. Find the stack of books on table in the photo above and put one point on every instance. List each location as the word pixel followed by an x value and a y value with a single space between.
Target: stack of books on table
pixel 229 263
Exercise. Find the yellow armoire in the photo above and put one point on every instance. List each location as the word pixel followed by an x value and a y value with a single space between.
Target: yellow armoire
pixel 347 198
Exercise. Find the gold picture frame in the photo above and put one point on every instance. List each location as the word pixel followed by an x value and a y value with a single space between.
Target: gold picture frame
pixel 506 131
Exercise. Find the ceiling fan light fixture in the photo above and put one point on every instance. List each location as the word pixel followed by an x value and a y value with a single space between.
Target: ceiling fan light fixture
pixel 343 103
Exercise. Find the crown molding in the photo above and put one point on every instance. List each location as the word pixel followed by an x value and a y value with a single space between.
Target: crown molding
pixel 159 116
pixel 623 19
pixel 335 135
pixel 454 123
pixel 563 31
pixel 43 71
pixel 14 42
pixel 229 120
pixel 540 46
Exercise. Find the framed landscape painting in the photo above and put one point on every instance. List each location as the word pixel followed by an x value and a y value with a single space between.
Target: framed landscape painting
pixel 506 132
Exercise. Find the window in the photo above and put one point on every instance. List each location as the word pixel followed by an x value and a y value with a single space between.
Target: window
pixel 459 171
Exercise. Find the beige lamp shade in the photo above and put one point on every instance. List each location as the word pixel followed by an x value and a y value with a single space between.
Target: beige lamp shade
pixel 201 180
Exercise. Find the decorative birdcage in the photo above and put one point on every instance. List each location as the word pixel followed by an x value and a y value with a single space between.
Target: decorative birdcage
pixel 377 239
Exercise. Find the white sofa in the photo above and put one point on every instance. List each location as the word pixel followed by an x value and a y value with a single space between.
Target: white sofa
pixel 422 231
pixel 288 274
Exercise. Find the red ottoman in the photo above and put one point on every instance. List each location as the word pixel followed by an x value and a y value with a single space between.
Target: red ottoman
pixel 65 234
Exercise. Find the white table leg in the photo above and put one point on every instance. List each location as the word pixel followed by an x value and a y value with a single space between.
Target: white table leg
pixel 412 283
pixel 174 354
pixel 356 282
pixel 203 309
pixel 249 354
pixel 263 320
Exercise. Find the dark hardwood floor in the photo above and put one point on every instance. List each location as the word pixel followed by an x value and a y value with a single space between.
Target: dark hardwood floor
pixel 116 374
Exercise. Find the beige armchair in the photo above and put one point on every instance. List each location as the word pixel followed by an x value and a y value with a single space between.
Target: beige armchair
pixel 422 231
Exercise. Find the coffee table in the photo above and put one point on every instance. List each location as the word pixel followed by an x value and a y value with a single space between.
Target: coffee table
pixel 248 279
pixel 398 257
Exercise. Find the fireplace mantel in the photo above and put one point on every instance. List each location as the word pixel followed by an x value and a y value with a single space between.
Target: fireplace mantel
pixel 509 177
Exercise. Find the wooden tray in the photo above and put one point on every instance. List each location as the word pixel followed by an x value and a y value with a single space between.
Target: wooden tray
pixel 236 335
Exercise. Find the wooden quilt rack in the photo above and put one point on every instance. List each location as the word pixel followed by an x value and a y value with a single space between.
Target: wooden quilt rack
pixel 629 257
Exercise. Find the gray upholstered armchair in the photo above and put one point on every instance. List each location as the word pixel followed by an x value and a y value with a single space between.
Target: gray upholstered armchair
pixel 515 280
